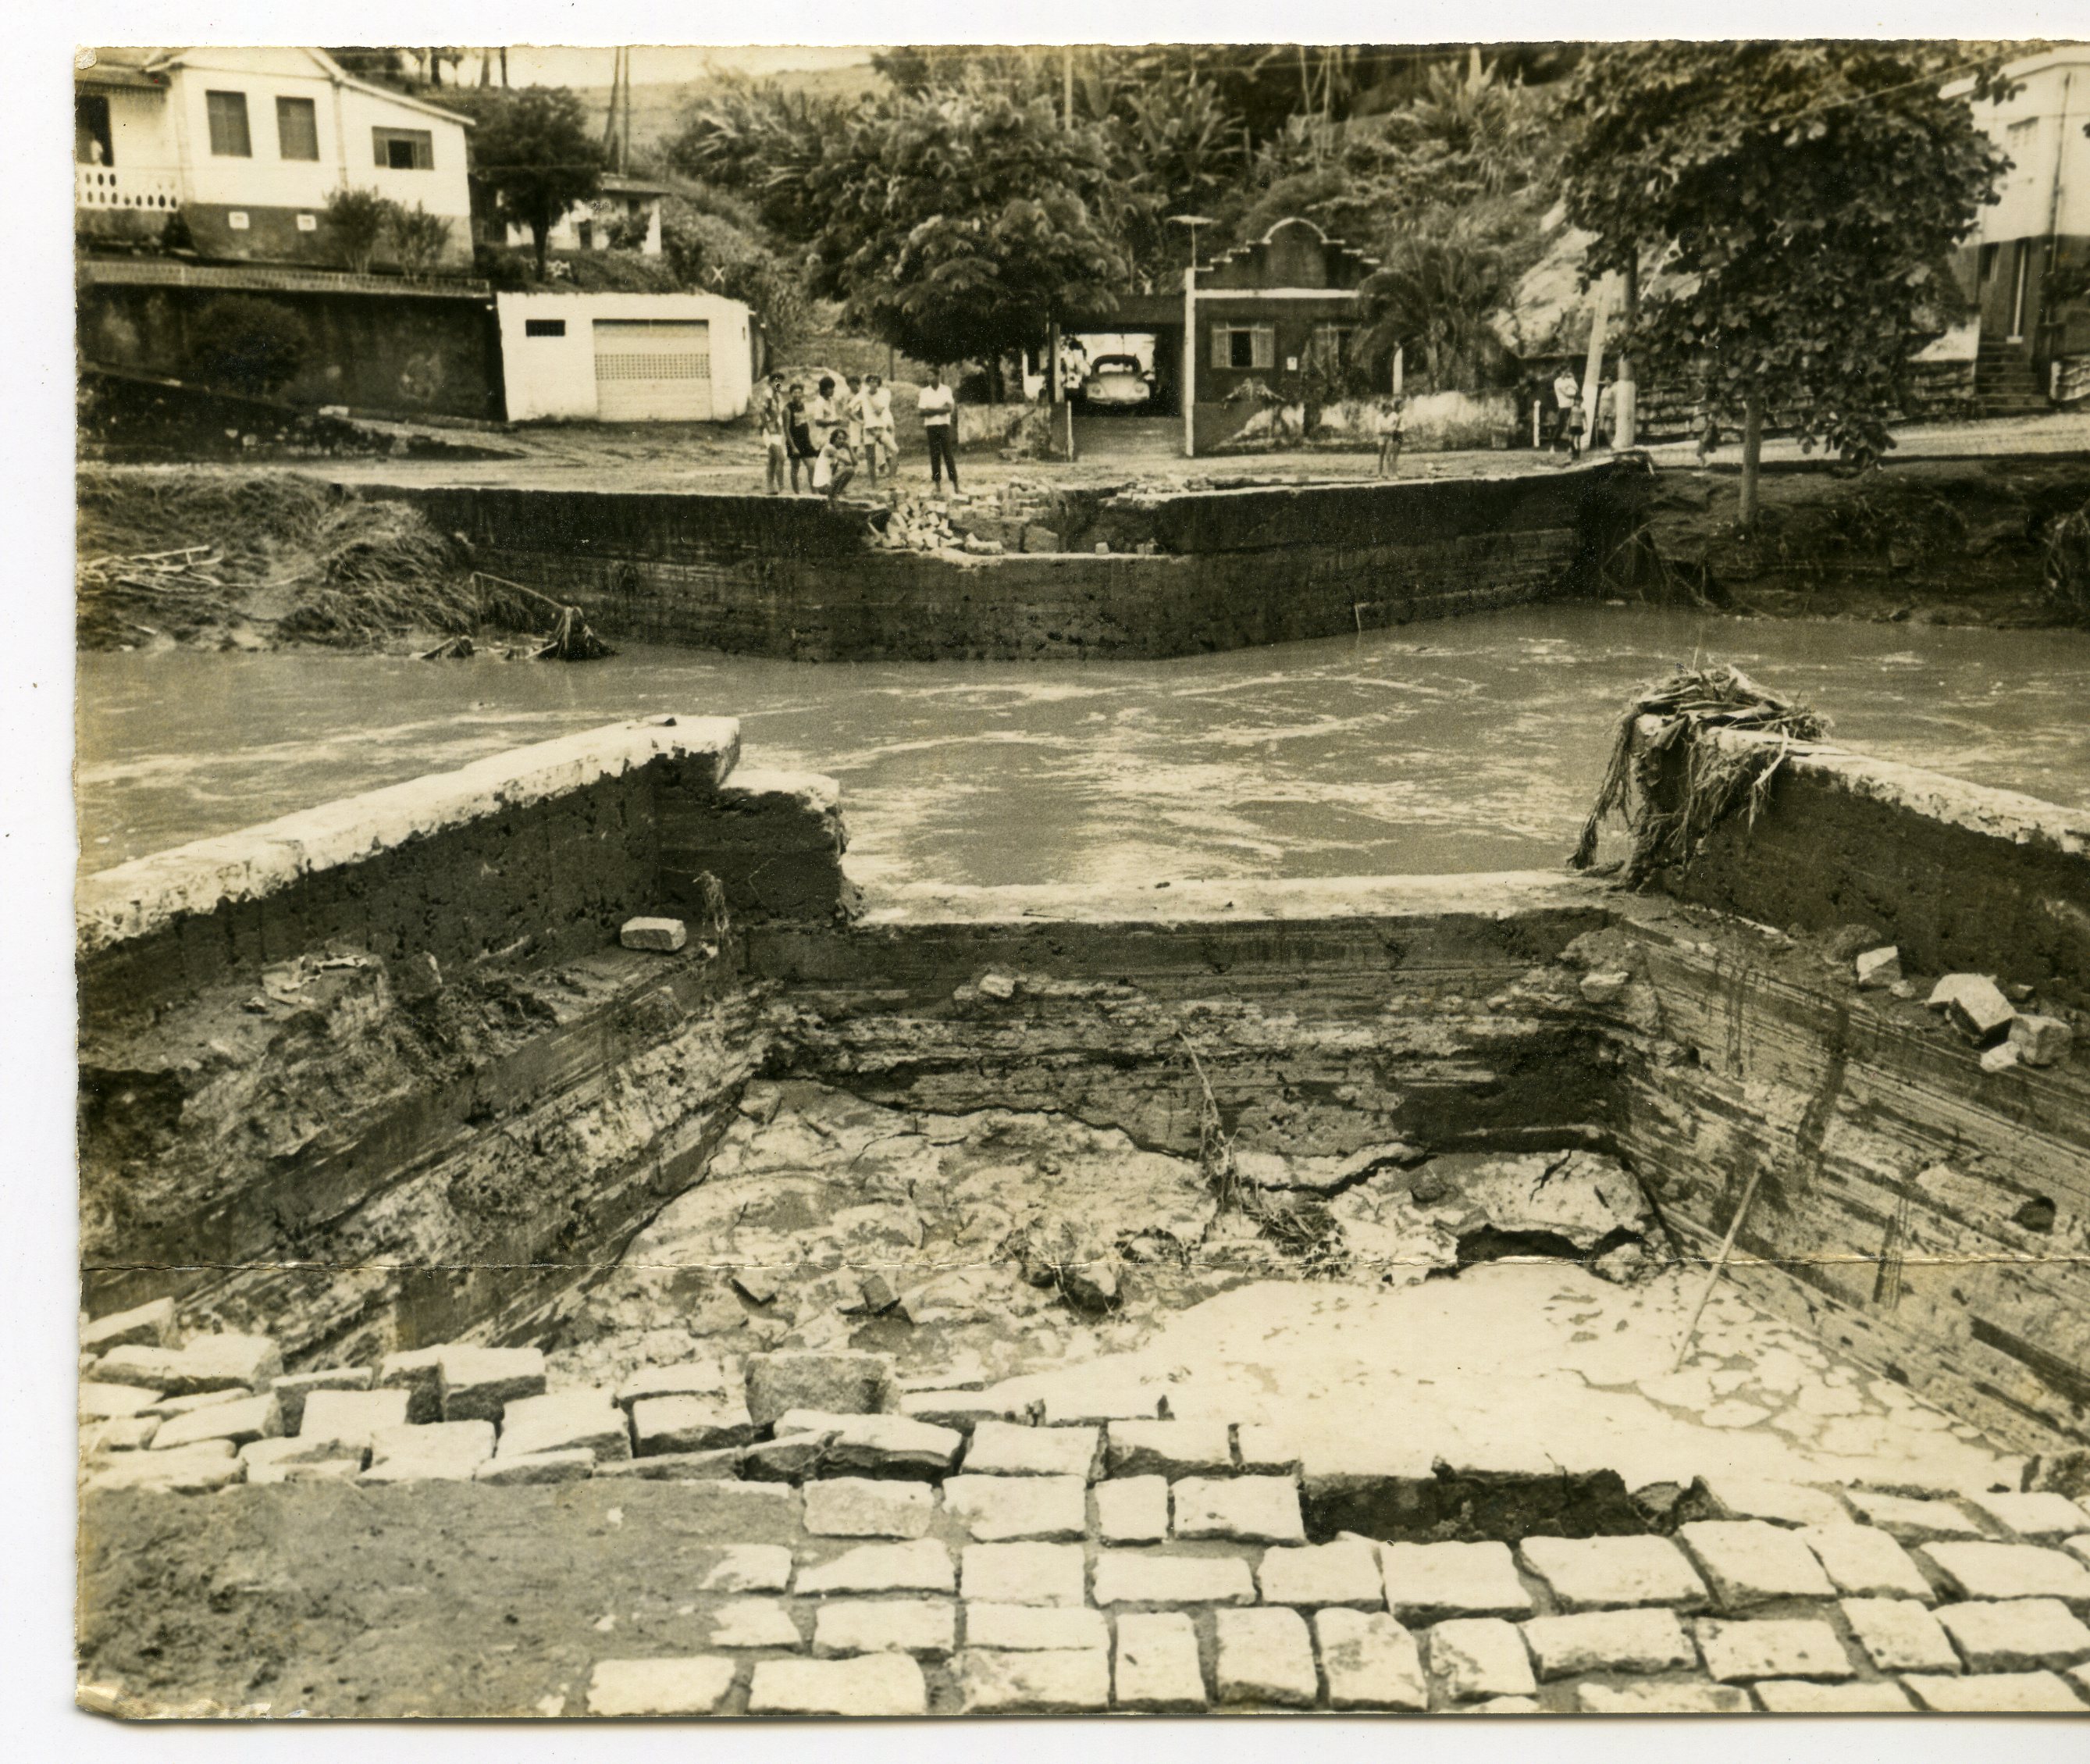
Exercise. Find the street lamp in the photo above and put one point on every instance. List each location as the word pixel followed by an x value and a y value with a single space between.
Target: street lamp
pixel 1194 222
pixel 1187 392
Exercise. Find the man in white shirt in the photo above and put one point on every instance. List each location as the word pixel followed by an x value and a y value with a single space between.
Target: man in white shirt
pixel 939 407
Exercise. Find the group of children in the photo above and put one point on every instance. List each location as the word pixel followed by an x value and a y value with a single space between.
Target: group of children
pixel 828 434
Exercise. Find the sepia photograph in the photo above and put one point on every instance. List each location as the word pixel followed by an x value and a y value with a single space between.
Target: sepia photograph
pixel 1165 877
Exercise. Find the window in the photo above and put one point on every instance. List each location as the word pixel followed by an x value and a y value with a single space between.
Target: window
pixel 1333 344
pixel 229 138
pixel 1989 262
pixel 404 149
pixel 91 142
pixel 297 129
pixel 543 327
pixel 1235 345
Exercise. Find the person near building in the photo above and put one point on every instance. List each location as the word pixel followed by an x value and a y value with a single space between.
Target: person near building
pixel 799 433
pixel 1393 425
pixel 939 406
pixel 1568 401
pixel 878 435
pixel 769 427
pixel 836 464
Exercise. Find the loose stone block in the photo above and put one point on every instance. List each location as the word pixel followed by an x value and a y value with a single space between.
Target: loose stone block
pixel 1088 1409
pixel 723 1466
pixel 920 1566
pixel 664 936
pixel 1910 1521
pixel 251 1417
pixel 1877 969
pixel 875 1445
pixel 2010 1571
pixel 1427 1581
pixel 1171 1448
pixel 1480 1657
pixel 924 1626
pixel 1248 1509
pixel 1899 1635
pixel 1033 1683
pixel 1024 1573
pixel 1800 1696
pixel 1636 1640
pixel 748 1568
pixel 418 1374
pixel 688 1423
pixel 443 1451
pixel 205 1363
pixel 210 1463
pixel 478 1383
pixel 1977 1008
pixel 961 1411
pixel 1371 1661
pixel 693 1686
pixel 1033 1628
pixel 294 1387
pixel 1995 1693
pixel 1748 1563
pixel 108 1402
pixel 856 1507
pixel 2040 1040
pixel 1866 1563
pixel 574 1464
pixel 864 1685
pixel 839 1383
pixel 998 1448
pixel 1133 1509
pixel 1601 1573
pixel 168 1407
pixel 1267 1451
pixel 1001 1509
pixel 1798 1647
pixel 753 1623
pixel 2015 1635
pixel 261 1472
pixel 121 1433
pixel 349 1419
pixel 563 1422
pixel 692 1377
pixel 1659 1697
pixel 144 1326
pixel 1155 1669
pixel 1133 1577
pixel 1778 1503
pixel 2044 1518
pixel 1322 1574
pixel 1265 1657
pixel 790 1459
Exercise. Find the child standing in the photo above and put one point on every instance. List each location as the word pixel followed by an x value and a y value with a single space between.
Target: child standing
pixel 1393 425
pixel 878 435
pixel 769 426
pixel 799 433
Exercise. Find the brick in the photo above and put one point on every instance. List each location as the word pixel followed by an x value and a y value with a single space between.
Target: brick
pixel 921 1567
pixel 574 1464
pixel 1425 1582
pixel 1866 1563
pixel 349 1419
pixel 251 1417
pixel 416 1373
pixel 664 936
pixel 143 1326
pixel 748 1568
pixel 98 1401
pixel 1663 1696
pixel 924 1626
pixel 210 1463
pixel 837 1383
pixel 875 1445
pixel 293 1388
pixel 1801 1696
pixel 1155 1669
pixel 442 1451
pixel 1630 1641
pixel 1794 1647
pixel 1135 1577
pixel 1909 1520
pixel 998 1448
pixel 1024 1573
pixel 2015 1635
pixel 1020 1628
pixel 1133 1509
pixel 755 1622
pixel 2010 1571
pixel 564 1421
pixel 1246 1509
pixel 1995 1693
pixel 1899 1635
pixel 2040 1517
pixel 1170 1448
pixel 858 1507
pixel 1265 1658
pixel 1777 1504
pixel 1479 1657
pixel 1371 1661
pixel 1044 1683
pixel 478 1383
pixel 692 1686
pixel 1345 1573
pixel 865 1685
pixel 692 1378
pixel 1602 1574
pixel 1747 1563
pixel 687 1423
pixel 1001 1509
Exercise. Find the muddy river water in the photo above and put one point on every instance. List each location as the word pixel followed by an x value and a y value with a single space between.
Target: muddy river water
pixel 1472 746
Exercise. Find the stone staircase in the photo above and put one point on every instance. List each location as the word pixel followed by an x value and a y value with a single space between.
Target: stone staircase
pixel 2004 382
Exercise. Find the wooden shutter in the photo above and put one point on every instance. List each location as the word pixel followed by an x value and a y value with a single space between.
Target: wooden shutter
pixel 1263 346
pixel 1222 352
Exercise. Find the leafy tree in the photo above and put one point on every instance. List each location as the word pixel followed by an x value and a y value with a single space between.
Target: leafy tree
pixel 535 150
pixel 761 143
pixel 419 238
pixel 716 245
pixel 251 346
pixel 356 218
pixel 1433 297
pixel 1805 194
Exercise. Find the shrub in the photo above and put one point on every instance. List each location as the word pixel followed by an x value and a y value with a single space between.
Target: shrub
pixel 419 237
pixel 249 346
pixel 355 219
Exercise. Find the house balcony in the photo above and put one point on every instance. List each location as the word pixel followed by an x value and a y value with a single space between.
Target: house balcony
pixel 105 187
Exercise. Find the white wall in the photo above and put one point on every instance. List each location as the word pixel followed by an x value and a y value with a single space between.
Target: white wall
pixel 2052 107
pixel 554 376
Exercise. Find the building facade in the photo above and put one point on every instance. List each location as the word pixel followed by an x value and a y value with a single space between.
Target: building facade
pixel 626 206
pixel 622 358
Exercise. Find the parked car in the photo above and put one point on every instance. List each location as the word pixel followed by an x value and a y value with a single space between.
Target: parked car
pixel 1117 380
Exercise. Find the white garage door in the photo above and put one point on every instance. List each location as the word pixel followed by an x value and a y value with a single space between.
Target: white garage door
pixel 652 370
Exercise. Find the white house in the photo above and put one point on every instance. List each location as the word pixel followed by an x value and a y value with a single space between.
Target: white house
pixel 586 225
pixel 620 358
pixel 247 144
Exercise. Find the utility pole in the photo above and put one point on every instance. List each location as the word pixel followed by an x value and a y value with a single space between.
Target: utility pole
pixel 1067 85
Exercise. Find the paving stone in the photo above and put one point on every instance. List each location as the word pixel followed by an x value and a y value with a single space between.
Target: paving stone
pixel 1372 1660
pixel 1024 1573
pixel 1133 1509
pixel 1659 1697
pixel 573 1464
pixel 417 1373
pixel 349 1418
pixel 920 1566
pixel 442 1451
pixel 862 1685
pixel 251 1417
pixel 1425 1582
pixel 1156 1669
pixel 144 1326
pixel 1746 1562
pixel 210 1463
pixel 1866 1563
pixel 2043 1517
pixel 478 1383
pixel 1630 1641
pixel 203 1363
pixel 1043 1682
pixel 1995 1693
pixel 755 1622
pixel 748 1568
pixel 1778 1503
pixel 875 1445
pixel 1033 1628
pixel 1479 1657
pixel 692 1686
pixel 687 1423
pixel 859 1507
pixel 999 1449
pixel 292 1389
pixel 563 1421
pixel 924 1626
pixel 2015 1635
pixel 1135 1577
pixel 1909 1520
pixel 1802 1697
pixel 1899 1635
pixel 1265 1657
pixel 1601 1573
pixel 1001 1509
pixel 2010 1571
pixel 1171 1448
pixel 1322 1574
pixel 98 1401
pixel 1247 1509
pixel 840 1383
pixel 1790 1647
pixel 692 1378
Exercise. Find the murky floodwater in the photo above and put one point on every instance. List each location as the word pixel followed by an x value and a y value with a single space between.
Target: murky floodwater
pixel 1467 746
